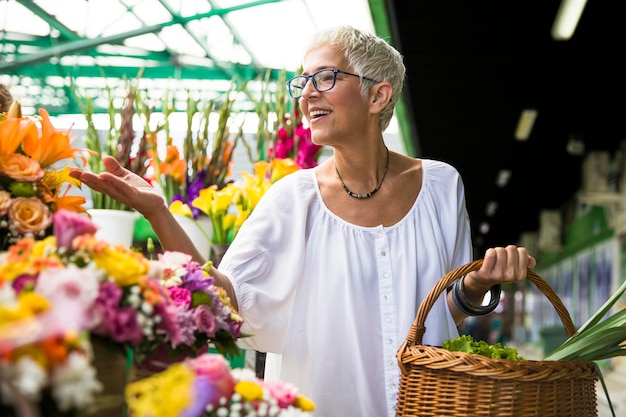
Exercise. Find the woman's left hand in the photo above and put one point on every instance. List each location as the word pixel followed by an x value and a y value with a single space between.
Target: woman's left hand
pixel 500 266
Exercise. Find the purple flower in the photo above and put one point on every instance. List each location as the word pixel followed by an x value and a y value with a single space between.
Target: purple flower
pixel 169 323
pixel 195 280
pixel 24 282
pixel 186 326
pixel 123 326
pixel 205 392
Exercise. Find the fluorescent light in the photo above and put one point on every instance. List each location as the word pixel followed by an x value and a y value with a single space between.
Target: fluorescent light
pixel 525 124
pixel 567 18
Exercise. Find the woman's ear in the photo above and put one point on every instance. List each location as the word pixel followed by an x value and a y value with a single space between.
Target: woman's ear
pixel 380 95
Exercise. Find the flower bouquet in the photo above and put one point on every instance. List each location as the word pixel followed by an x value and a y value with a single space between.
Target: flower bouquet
pixel 206 387
pixel 46 361
pixel 231 205
pixel 118 295
pixel 34 175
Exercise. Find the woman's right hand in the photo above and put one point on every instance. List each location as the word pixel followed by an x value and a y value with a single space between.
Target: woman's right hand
pixel 122 185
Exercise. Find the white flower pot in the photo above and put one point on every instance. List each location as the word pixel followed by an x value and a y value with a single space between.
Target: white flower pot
pixel 114 226
pixel 199 231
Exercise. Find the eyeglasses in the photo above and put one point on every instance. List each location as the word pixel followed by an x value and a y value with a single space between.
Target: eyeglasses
pixel 323 80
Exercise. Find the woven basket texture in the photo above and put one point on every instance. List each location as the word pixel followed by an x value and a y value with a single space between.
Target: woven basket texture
pixel 437 382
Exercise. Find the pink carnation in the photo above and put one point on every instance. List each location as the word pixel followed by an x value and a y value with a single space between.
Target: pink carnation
pixel 284 394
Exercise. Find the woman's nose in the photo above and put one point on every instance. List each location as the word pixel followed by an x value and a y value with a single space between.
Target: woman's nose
pixel 309 88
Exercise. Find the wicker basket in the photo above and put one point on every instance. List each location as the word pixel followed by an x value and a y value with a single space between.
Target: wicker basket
pixel 437 382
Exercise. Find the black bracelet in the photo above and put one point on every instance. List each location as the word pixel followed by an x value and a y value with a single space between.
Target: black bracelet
pixel 466 307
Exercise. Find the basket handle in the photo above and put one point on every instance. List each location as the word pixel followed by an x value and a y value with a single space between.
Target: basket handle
pixel 417 328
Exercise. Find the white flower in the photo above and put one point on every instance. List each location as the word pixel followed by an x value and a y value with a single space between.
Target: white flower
pixel 74 383
pixel 244 374
pixel 28 378
pixel 7 295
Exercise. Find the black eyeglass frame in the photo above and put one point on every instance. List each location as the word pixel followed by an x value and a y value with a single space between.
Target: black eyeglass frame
pixel 312 78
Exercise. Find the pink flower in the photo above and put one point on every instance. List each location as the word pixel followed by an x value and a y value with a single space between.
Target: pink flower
pixel 284 394
pixel 175 258
pixel 217 369
pixel 68 224
pixel 180 296
pixel 71 292
pixel 204 320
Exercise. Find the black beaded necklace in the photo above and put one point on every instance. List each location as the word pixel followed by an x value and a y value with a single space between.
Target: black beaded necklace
pixel 371 193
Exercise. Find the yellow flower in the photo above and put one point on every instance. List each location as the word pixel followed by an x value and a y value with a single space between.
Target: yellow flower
pixel 204 200
pixel 29 304
pixel 249 390
pixel 174 387
pixel 281 168
pixel 304 404
pixel 124 266
pixel 180 208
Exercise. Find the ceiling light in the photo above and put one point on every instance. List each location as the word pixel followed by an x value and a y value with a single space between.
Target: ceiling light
pixel 491 209
pixel 575 144
pixel 567 18
pixel 525 124
pixel 503 178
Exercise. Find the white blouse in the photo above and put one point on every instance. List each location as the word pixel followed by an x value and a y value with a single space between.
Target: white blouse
pixel 331 302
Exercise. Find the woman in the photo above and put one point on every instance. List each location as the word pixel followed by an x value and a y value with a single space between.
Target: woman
pixel 330 268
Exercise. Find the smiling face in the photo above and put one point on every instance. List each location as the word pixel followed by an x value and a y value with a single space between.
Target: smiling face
pixel 339 114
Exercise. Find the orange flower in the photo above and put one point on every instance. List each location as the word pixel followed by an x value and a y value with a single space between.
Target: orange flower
pixel 173 165
pixel 13 132
pixel 52 146
pixel 5 201
pixel 70 202
pixel 30 214
pixel 20 251
pixel 20 167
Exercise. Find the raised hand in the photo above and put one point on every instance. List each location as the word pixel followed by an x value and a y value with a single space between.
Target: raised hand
pixel 124 186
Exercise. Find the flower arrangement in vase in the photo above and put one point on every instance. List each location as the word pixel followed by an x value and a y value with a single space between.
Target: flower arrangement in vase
pixel 34 175
pixel 206 387
pixel 117 294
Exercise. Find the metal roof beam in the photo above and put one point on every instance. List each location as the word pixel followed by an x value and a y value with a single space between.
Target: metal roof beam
pixel 49 19
pixel 85 44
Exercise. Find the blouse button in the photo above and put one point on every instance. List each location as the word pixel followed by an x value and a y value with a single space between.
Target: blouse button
pixel 384 253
